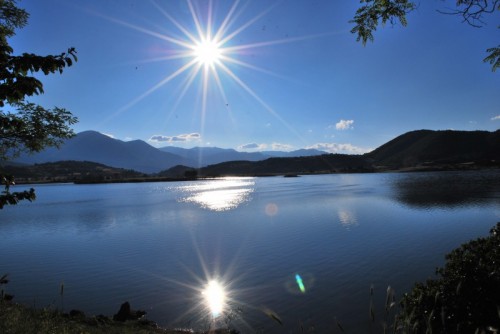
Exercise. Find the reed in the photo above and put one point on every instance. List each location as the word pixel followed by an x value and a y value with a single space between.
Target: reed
pixel 61 294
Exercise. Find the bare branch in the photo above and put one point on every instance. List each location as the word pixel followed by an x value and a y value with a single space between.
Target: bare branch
pixel 472 11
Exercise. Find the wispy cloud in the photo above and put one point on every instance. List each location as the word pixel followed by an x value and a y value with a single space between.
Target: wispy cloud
pixel 252 146
pixel 175 139
pixel 344 124
pixel 339 148
pixel 281 147
pixel 109 135
pixel 263 146
pixel 496 118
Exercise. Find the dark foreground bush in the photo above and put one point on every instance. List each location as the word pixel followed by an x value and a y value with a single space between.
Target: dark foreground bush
pixel 466 296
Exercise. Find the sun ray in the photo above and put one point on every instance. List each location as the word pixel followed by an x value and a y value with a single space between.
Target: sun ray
pixel 246 25
pixel 208 30
pixel 175 22
pixel 278 41
pixel 185 86
pixel 152 89
pixel 252 67
pixel 208 60
pixel 195 20
pixel 164 58
pixel 258 99
pixel 147 31
pixel 204 96
pixel 225 23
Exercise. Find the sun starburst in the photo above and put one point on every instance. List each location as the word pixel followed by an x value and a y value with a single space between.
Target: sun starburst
pixel 209 54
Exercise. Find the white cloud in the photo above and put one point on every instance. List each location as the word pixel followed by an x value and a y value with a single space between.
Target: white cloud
pixel 108 134
pixel 339 148
pixel 252 146
pixel 344 124
pixel 281 147
pixel 174 139
pixel 496 118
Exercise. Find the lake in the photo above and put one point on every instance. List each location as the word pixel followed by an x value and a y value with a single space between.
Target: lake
pixel 157 245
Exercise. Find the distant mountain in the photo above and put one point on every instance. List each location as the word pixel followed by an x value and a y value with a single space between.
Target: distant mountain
pixel 437 148
pixel 138 155
pixel 419 150
pixel 415 149
pixel 96 147
pixel 203 156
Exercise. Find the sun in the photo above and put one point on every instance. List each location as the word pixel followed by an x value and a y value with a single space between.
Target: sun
pixel 207 52
pixel 215 297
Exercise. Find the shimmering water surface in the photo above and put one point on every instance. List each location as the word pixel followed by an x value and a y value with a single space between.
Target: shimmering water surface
pixel 305 249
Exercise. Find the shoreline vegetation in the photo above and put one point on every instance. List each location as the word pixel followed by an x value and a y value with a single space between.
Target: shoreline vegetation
pixel 101 174
pixel 20 319
pixel 414 151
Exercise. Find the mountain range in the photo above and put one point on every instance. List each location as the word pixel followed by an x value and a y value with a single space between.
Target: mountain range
pixel 421 148
pixel 140 156
pixel 415 150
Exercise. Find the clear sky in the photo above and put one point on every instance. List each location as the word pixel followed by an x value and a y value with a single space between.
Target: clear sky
pixel 288 74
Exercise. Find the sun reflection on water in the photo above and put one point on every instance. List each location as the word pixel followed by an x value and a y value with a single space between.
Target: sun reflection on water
pixel 219 195
pixel 215 297
pixel 347 218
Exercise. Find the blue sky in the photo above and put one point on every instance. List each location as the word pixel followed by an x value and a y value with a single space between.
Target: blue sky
pixel 292 76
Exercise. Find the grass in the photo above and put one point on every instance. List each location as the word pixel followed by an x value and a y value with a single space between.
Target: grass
pixel 16 318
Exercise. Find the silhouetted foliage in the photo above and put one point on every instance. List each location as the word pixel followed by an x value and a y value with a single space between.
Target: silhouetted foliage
pixel 191 174
pixel 30 128
pixel 465 298
pixel 375 12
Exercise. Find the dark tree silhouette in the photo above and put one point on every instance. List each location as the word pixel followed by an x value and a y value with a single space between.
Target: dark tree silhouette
pixel 25 126
pixel 375 12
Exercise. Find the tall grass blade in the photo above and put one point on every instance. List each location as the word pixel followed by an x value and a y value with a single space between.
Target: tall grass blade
pixel 271 314
pixel 61 293
pixel 339 325
pixel 372 312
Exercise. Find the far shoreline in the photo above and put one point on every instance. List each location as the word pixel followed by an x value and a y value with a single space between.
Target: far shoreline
pixel 466 167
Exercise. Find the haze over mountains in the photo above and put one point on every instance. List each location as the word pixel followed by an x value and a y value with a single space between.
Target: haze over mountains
pixel 415 149
pixel 140 156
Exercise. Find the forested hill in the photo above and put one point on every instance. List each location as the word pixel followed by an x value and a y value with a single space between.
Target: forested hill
pixel 68 171
pixel 422 149
pixel 416 150
pixel 327 163
pixel 426 147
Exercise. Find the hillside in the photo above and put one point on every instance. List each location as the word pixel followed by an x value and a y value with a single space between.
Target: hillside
pixel 203 156
pixel 68 171
pixel 426 147
pixel 418 150
pixel 96 147
pixel 140 156
pixel 327 163
pixel 421 149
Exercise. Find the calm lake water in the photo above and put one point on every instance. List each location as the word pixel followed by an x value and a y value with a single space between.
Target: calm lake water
pixel 157 244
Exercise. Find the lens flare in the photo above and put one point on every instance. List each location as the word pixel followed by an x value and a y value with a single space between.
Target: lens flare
pixel 300 283
pixel 215 297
